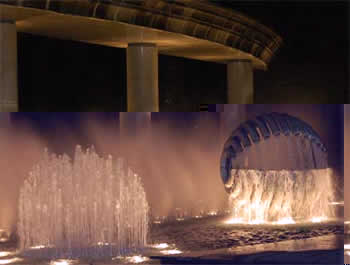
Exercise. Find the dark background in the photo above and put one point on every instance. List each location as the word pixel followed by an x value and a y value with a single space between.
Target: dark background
pixel 311 66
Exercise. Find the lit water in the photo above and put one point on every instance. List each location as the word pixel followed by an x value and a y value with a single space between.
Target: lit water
pixel 86 207
pixel 285 196
pixel 283 179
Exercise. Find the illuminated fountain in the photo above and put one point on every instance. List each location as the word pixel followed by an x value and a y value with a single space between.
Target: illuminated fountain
pixel 275 169
pixel 86 207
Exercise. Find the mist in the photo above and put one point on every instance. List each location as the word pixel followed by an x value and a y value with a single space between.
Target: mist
pixel 19 150
pixel 178 170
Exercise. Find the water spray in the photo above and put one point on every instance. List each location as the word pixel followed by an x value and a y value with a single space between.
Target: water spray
pixel 275 170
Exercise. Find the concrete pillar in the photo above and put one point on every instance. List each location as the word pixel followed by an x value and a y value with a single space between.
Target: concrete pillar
pixel 8 67
pixel 240 82
pixel 142 81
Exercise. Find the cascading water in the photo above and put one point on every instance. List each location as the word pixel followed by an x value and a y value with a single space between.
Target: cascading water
pixel 285 196
pixel 88 207
pixel 275 170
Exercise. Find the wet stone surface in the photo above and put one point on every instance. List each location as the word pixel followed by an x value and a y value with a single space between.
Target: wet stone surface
pixel 212 233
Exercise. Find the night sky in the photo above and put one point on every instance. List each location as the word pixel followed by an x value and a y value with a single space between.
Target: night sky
pixel 311 66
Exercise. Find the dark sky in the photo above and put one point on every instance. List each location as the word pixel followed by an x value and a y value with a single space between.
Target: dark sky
pixel 311 66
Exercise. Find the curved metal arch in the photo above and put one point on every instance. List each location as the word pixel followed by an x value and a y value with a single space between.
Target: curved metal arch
pixel 263 127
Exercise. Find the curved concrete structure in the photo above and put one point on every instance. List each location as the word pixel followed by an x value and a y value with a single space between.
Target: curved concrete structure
pixel 186 28
pixel 261 128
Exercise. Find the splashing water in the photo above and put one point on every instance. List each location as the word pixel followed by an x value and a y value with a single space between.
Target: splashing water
pixel 88 207
pixel 281 197
pixel 280 179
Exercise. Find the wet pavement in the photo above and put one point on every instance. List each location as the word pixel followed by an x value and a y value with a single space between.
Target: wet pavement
pixel 212 233
pixel 212 241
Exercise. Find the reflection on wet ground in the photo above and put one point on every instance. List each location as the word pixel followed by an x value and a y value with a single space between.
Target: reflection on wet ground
pixel 212 233
pixel 211 240
pixel 318 250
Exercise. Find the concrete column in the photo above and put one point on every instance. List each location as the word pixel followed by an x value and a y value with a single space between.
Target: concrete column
pixel 240 82
pixel 8 67
pixel 142 82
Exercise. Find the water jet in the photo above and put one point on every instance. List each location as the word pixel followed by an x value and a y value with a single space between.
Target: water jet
pixel 86 207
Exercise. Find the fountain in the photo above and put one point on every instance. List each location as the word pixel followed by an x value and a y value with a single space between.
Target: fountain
pixel 275 169
pixel 86 207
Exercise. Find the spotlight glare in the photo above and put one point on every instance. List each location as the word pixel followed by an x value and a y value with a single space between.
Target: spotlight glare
pixel 38 247
pixel 234 221
pixel 336 203
pixel 318 219
pixel 9 261
pixel 283 221
pixel 171 251
pixel 161 245
pixel 136 259
pixel 5 253
pixel 62 262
